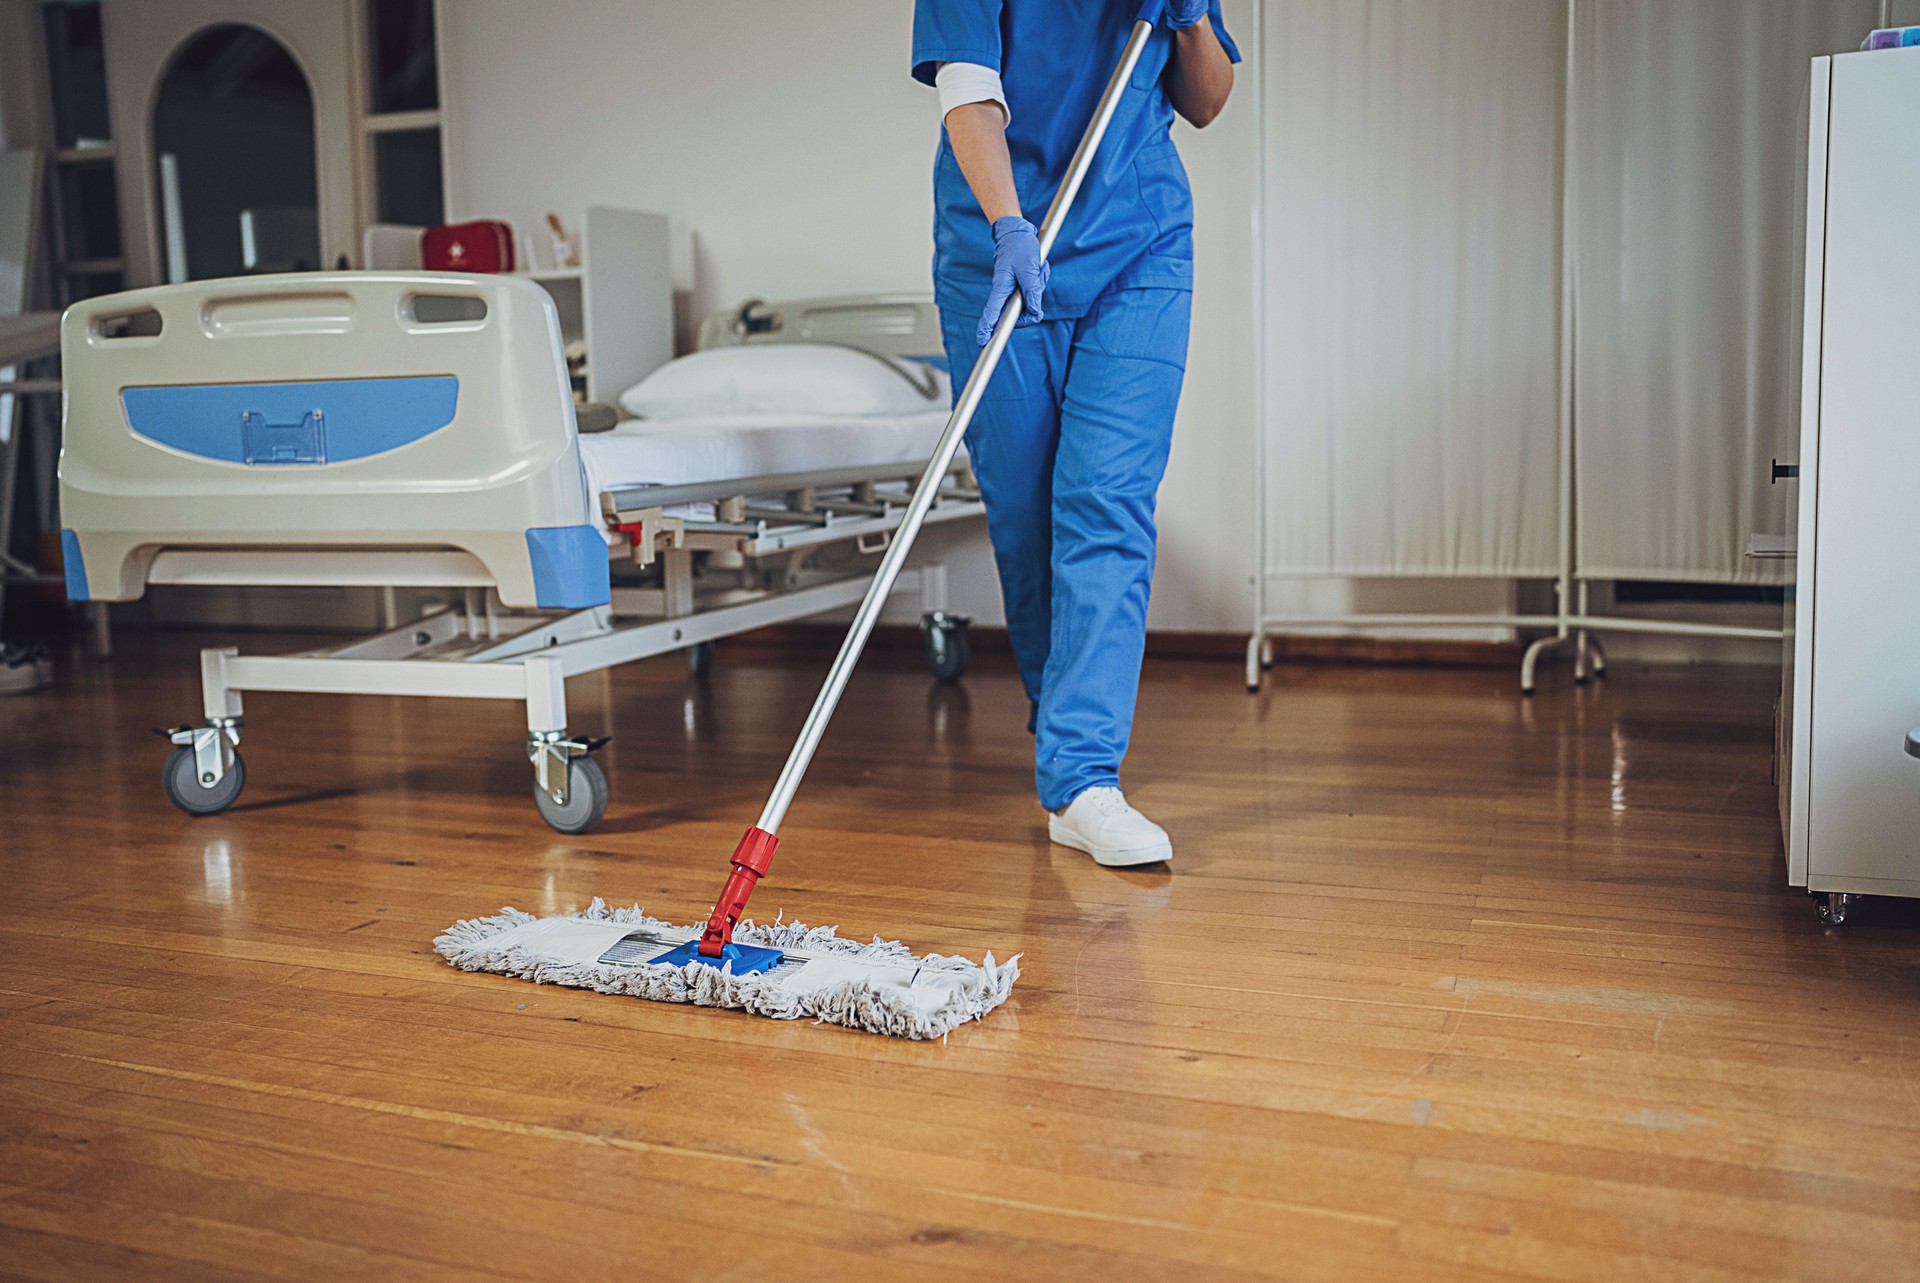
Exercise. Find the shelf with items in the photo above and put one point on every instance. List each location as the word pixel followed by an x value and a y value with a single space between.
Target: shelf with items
pixel 616 307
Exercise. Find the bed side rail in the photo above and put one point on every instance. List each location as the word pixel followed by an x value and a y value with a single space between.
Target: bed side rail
pixel 775 483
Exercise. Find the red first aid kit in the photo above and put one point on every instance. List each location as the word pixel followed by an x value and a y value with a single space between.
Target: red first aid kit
pixel 485 245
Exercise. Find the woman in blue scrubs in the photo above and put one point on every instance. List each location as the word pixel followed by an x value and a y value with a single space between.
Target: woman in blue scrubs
pixel 1071 439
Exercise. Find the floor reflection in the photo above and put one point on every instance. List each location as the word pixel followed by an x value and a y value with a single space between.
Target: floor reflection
pixel 216 863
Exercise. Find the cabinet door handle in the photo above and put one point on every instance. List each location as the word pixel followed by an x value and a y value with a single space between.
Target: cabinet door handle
pixel 1787 471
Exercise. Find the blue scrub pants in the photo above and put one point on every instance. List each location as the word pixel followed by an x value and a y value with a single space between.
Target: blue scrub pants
pixel 1070 444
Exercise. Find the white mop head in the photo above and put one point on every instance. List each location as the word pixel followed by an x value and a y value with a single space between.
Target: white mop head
pixel 879 987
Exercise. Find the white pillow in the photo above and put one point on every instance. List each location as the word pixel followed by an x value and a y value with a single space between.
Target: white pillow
pixel 787 378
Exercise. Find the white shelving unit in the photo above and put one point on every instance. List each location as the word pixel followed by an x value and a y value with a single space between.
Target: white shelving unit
pixel 619 302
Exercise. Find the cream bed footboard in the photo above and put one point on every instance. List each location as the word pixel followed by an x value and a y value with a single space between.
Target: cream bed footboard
pixel 265 427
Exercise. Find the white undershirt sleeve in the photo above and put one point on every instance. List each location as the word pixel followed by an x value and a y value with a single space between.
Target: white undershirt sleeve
pixel 960 83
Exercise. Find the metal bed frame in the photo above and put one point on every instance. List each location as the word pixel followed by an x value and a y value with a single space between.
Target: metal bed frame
pixel 778 548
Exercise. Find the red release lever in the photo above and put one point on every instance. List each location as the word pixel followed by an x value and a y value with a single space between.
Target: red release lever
pixel 751 859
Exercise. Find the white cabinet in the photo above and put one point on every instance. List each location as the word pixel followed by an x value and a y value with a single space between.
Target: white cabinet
pixel 1850 795
pixel 618 304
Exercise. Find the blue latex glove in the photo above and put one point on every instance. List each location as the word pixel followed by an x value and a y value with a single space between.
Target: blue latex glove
pixel 1184 13
pixel 1016 265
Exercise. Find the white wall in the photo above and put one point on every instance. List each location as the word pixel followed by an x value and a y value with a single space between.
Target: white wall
pixel 794 157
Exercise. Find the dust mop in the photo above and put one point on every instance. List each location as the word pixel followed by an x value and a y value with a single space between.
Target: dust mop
pixel 788 970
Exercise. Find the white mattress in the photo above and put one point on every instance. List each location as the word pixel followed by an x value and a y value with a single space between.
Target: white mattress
pixel 724 448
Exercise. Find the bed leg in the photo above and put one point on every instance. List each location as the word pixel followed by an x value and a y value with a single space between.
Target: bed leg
pixel 546 695
pixel 548 746
pixel 102 626
pixel 676 565
pixel 204 773
pixel 569 788
pixel 933 588
pixel 217 699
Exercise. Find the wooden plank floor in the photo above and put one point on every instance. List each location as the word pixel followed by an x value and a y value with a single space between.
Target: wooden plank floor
pixel 1445 984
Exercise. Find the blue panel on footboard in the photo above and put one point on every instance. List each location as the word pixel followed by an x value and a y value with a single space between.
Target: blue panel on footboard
pixel 292 424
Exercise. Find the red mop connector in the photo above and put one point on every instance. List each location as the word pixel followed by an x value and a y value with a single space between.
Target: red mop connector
pixel 751 859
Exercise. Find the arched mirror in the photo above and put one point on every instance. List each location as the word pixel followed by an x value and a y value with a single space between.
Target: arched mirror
pixel 233 148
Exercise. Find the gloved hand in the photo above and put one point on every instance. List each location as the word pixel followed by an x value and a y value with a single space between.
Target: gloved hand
pixel 1184 13
pixel 1016 265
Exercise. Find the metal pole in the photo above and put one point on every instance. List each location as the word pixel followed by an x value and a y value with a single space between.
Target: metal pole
pixel 1257 642
pixel 10 430
pixel 923 495
pixel 1569 318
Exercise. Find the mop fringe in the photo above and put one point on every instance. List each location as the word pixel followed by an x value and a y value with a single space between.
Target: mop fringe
pixel 856 1004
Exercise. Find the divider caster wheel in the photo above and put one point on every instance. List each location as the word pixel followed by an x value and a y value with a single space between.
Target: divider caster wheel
pixel 181 778
pixel 948 652
pixel 586 798
pixel 700 658
pixel 1831 906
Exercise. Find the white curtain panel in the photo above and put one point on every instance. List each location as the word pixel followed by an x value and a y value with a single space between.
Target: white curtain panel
pixel 1411 285
pixel 1690 121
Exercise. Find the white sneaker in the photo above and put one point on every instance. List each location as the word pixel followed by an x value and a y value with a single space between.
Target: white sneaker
pixel 1101 823
pixel 24 669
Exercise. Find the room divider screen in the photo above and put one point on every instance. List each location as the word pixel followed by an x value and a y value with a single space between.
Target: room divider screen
pixel 1689 149
pixel 1526 294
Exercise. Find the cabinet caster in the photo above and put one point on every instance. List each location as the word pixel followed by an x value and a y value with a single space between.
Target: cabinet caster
pixel 1831 906
pixel 700 659
pixel 948 653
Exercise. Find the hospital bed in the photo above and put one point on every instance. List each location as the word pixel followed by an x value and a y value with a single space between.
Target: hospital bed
pixel 417 430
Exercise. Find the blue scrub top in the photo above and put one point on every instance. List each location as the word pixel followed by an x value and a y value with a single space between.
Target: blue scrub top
pixel 1132 223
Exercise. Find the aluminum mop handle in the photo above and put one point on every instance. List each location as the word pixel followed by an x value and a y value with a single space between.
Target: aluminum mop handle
pixel 754 855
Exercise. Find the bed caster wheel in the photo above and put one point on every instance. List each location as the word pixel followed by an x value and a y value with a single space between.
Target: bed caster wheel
pixel 700 659
pixel 195 795
pixel 586 798
pixel 1831 906
pixel 948 652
